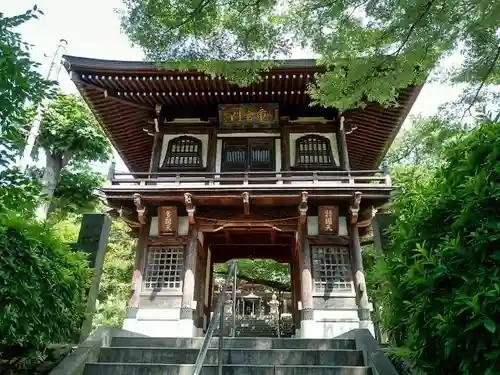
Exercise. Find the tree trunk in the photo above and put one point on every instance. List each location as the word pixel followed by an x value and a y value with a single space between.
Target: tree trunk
pixel 50 180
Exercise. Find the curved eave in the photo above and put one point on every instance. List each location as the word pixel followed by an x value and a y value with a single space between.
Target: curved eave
pixel 123 96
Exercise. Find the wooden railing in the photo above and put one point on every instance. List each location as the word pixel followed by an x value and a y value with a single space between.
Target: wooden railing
pixel 172 179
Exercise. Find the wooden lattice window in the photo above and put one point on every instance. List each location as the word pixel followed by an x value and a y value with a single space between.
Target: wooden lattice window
pixel 313 151
pixel 254 154
pixel 183 152
pixel 164 267
pixel 331 268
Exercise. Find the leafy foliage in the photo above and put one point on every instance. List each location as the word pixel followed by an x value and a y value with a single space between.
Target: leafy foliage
pixel 69 132
pixel 18 192
pixel 48 306
pixel 261 271
pixel 439 285
pixel 114 289
pixel 423 141
pixel 75 191
pixel 70 136
pixel 371 49
pixel 20 83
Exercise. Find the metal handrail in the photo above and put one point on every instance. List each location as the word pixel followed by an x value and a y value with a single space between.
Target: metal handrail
pixel 217 320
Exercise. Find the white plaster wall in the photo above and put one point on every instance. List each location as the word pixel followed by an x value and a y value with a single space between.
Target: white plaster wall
pixel 202 137
pixel 313 226
pixel 333 143
pixel 277 147
pixel 161 327
pixel 334 315
pixel 182 226
pixel 154 229
pixel 158 314
pixel 218 156
pixel 152 328
pixel 330 330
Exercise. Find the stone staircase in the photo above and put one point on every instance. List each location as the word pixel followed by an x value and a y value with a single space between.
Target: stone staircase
pixel 257 327
pixel 241 356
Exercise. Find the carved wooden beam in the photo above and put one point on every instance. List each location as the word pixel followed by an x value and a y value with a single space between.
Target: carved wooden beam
pixel 190 207
pixel 355 206
pixel 142 214
pixel 303 207
pixel 246 203
pixel 365 217
pixel 126 215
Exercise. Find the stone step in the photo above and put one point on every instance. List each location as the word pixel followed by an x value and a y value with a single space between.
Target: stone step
pixel 159 369
pixel 260 343
pixel 234 356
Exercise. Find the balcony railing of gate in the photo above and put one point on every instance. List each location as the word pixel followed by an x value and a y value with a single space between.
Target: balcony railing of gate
pixel 172 179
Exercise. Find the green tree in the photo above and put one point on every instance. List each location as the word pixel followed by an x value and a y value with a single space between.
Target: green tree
pixel 20 83
pixel 439 285
pixel 260 271
pixel 69 135
pixel 75 192
pixel 370 49
pixel 114 289
pixel 422 143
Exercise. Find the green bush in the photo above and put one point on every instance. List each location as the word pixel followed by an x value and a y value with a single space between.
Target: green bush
pixel 43 287
pixel 439 287
pixel 114 290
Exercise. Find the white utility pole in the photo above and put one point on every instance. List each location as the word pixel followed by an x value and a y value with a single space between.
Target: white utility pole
pixel 53 74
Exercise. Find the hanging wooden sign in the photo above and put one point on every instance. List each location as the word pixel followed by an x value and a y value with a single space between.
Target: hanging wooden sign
pixel 249 116
pixel 328 219
pixel 167 220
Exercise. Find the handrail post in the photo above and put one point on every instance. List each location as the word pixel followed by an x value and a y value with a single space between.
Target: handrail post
pixel 221 336
pixel 219 309
pixel 234 300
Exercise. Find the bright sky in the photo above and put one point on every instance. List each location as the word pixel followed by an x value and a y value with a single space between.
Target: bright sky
pixel 92 29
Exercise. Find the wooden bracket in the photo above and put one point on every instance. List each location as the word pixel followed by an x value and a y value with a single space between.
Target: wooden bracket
pixel 365 217
pixel 246 203
pixel 142 214
pixel 158 117
pixel 355 206
pixel 303 207
pixel 190 207
pixel 126 215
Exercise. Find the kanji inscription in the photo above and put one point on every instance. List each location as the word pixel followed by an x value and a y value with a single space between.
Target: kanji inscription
pixel 246 116
pixel 328 219
pixel 167 219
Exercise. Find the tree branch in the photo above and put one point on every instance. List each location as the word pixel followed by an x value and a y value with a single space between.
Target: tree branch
pixel 476 96
pixel 412 27
pixel 269 283
pixel 196 11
